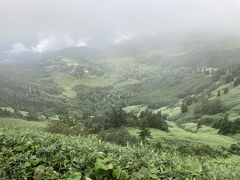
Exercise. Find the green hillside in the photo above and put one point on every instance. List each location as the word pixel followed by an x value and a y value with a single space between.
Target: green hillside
pixel 72 157
pixel 140 110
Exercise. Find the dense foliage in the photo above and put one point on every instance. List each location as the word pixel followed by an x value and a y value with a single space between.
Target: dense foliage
pixel 82 96
pixel 39 155
pixel 154 120
pixel 209 107
pixel 226 126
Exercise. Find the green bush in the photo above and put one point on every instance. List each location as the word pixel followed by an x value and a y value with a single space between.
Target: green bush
pixel 209 107
pixel 66 125
pixel 226 126
pixel 154 120
pixel 184 108
pixel 185 147
pixel 95 124
pixel 208 121
pixel 201 150
pixel 235 149
pixel 40 155
pixel 236 82
pixel 119 136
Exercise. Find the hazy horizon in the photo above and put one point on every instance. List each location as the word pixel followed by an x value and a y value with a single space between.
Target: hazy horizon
pixel 41 26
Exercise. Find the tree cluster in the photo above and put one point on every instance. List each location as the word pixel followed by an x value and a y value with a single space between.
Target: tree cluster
pixel 154 120
pixel 226 126
pixel 209 107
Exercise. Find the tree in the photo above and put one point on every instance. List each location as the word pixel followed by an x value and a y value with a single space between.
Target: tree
pixel 116 118
pixel 95 124
pixel 184 108
pixel 236 82
pixel 32 115
pixel 210 107
pixel 199 125
pixel 154 120
pixel 226 90
pixel 144 131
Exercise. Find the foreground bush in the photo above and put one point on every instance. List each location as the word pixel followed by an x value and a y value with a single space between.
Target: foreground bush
pixel 39 155
pixel 235 149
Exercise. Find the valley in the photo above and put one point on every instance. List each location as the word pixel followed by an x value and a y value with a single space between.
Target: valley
pixel 162 111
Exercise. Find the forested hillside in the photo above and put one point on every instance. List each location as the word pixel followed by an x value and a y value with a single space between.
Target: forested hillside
pixel 147 108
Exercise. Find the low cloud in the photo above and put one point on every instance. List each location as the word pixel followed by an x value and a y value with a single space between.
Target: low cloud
pixel 47 45
pixel 17 48
pixel 54 44
pixel 119 38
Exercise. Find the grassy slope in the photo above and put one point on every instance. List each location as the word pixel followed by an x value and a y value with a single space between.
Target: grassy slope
pixel 10 109
pixel 119 66
pixel 230 101
pixel 205 135
pixel 10 123
pixel 67 82
pixel 172 165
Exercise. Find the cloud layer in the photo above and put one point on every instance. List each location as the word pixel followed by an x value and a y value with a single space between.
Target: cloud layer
pixel 47 45
pixel 27 20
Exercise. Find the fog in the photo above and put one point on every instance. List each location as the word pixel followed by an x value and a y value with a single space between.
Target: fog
pixel 42 25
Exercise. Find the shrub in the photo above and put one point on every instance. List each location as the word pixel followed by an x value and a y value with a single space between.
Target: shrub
pixel 226 90
pixel 227 127
pixel 95 124
pixel 236 82
pixel 132 120
pixel 207 121
pixel 184 108
pixel 66 125
pixel 201 150
pixel 115 119
pixel 39 155
pixel 227 78
pixel 187 147
pixel 209 107
pixel 235 149
pixel 118 136
pixel 144 131
pixel 155 120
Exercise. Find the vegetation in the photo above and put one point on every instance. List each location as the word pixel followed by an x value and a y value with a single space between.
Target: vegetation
pixel 66 125
pixel 210 107
pixel 57 157
pixel 227 127
pixel 144 131
pixel 154 120
pixel 236 81
pixel 127 113
pixel 119 136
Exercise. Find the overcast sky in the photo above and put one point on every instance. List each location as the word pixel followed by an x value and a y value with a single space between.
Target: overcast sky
pixel 37 25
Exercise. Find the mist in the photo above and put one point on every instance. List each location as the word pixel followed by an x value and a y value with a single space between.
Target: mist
pixel 44 25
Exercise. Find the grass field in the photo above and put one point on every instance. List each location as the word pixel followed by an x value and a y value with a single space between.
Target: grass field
pixel 230 102
pixel 11 123
pixel 68 82
pixel 10 109
pixel 135 109
pixel 205 135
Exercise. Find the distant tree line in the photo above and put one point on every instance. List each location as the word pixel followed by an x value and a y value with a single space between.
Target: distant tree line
pixel 110 126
